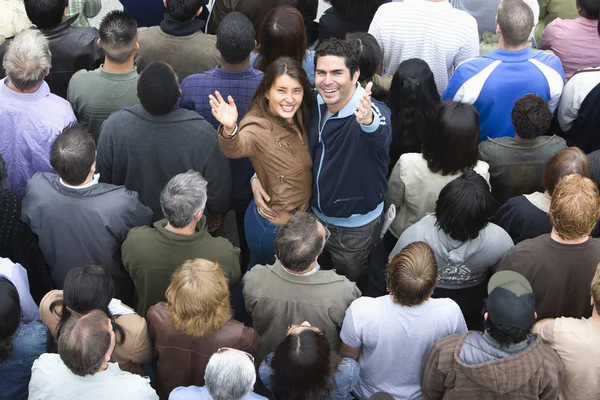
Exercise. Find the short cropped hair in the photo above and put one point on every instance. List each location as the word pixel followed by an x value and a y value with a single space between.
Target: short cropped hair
pixel 235 37
pixel 183 10
pixel 299 242
pixel 531 116
pixel 73 153
pixel 158 88
pixel 575 207
pixel 349 50
pixel 182 198
pixel 84 342
pixel 515 19
pixel 45 14
pixel 464 206
pixel 596 289
pixel 27 59
pixel 412 274
pixel 118 36
pixel 564 162
pixel 229 375
pixel 198 298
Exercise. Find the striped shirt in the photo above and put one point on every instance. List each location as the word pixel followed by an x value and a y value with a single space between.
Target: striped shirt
pixel 430 30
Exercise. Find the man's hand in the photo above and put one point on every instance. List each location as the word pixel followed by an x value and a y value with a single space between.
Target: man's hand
pixel 364 112
pixel 261 198
pixel 224 112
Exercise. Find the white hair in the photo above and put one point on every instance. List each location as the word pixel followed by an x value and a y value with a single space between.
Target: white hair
pixel 230 375
pixel 27 59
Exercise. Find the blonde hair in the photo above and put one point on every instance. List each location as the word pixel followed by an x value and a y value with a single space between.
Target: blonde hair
pixel 198 298
pixel 596 289
pixel 575 207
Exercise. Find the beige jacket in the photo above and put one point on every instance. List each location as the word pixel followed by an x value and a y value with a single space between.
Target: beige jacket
pixel 137 348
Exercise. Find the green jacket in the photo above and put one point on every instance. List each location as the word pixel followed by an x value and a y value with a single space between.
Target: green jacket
pixel 552 9
pixel 151 255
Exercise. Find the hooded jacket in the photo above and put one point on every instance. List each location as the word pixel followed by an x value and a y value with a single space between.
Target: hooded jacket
pixel 467 367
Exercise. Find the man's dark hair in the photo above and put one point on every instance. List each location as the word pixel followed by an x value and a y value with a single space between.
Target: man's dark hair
pixel 505 339
pixel 73 153
pixel 45 14
pixel 515 19
pixel 464 206
pixel 531 116
pixel 357 11
pixel 183 10
pixel 118 36
pixel 299 242
pixel 235 37
pixel 347 49
pixel 84 342
pixel 591 10
pixel 158 88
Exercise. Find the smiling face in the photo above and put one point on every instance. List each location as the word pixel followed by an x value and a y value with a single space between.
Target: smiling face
pixel 334 82
pixel 285 97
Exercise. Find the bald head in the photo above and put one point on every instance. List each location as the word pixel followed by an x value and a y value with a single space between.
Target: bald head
pixel 515 19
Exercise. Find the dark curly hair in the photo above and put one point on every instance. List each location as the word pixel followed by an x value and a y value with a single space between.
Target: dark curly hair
pixel 531 116
pixel 357 10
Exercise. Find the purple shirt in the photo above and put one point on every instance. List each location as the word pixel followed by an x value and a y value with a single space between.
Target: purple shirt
pixel 575 41
pixel 29 123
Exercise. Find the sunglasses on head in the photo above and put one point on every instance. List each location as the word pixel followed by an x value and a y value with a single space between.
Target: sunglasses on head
pixel 224 349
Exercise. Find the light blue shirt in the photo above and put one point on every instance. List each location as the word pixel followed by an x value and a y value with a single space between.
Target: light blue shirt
pixel 201 393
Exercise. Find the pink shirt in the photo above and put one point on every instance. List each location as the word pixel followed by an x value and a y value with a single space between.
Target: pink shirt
pixel 575 41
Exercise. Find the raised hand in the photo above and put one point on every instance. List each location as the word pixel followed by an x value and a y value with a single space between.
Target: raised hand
pixel 364 112
pixel 224 112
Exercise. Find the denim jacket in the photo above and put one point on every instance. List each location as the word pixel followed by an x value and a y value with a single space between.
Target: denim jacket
pixel 345 378
pixel 28 343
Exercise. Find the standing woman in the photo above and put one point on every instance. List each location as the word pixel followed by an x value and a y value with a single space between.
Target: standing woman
pixel 272 135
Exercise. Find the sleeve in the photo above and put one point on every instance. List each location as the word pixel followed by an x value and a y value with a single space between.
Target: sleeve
pixel 505 264
pixel 510 220
pixel 152 327
pixel 142 349
pixel 217 173
pixel 72 97
pixel 470 47
pixel 92 8
pixel 545 331
pixel 461 324
pixel 247 290
pixel 105 155
pixel 548 36
pixel 456 82
pixel 395 194
pixel 231 263
pixel 407 237
pixel 18 276
pixel 379 133
pixel 252 341
pixel 543 8
pixel 432 376
pixel 246 143
pixel 349 333
pixel 568 108
pixel 555 84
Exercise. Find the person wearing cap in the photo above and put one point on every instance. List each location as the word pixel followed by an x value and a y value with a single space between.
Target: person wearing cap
pixel 504 361
pixel 576 342
pixel 560 265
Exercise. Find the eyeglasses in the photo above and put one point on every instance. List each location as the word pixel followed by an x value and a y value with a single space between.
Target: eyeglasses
pixel 305 327
pixel 224 349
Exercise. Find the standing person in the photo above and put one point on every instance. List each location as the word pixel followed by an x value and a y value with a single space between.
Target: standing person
pixel 272 135
pixel 83 9
pixel 346 16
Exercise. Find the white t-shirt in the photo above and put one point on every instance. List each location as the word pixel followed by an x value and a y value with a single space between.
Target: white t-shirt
pixel 394 339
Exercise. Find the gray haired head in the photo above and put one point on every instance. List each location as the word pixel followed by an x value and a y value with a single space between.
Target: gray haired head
pixel 183 197
pixel 27 60
pixel 229 375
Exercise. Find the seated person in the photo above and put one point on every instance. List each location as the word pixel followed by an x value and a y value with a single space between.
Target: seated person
pixel 20 344
pixel 82 365
pixel 560 265
pixel 516 164
pixel 390 335
pixel 193 324
pixel 465 244
pixel 526 217
pixel 91 288
pixel 484 365
pixel 229 375
pixel 151 255
pixel 304 366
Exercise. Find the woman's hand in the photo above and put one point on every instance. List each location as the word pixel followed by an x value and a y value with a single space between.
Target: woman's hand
pixel 261 198
pixel 224 112
pixel 364 112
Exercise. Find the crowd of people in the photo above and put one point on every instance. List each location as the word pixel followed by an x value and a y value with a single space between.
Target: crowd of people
pixel 230 200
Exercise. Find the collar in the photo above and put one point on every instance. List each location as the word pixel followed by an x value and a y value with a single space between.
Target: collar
pixel 512 56
pixel 177 28
pixel 43 91
pixel 309 273
pixel 350 107
pixel 117 76
pixel 87 185
pixel 219 72
pixel 539 200
pixel 183 240
pixel 63 26
pixel 318 278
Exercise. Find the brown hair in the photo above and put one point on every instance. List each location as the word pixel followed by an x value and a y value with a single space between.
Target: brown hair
pixel 575 207
pixel 565 162
pixel 596 289
pixel 412 275
pixel 198 298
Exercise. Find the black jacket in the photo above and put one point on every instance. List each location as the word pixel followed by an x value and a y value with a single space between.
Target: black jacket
pixel 584 131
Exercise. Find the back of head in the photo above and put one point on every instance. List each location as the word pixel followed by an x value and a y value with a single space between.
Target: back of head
pixel 464 206
pixel 515 19
pixel 46 14
pixel 118 36
pixel 158 88
pixel 235 38
pixel 340 48
pixel 84 342
pixel 73 153
pixel 299 242
pixel 229 375
pixel 357 11
pixel 452 144
pixel 590 9
pixel 27 60
pixel 371 56
pixel 183 10
pixel 596 289
pixel 412 275
pixel 531 116
pixel 198 298
pixel 10 316
pixel 282 33
pixel 575 207
pixel 183 197
pixel 564 162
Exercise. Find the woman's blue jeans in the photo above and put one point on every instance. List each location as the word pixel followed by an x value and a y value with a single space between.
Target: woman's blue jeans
pixel 260 235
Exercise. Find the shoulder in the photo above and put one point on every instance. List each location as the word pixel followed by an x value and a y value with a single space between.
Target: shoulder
pixel 481 167
pixel 444 307
pixel 82 77
pixel 59 102
pixel 148 31
pixel 86 32
pixel 474 65
pixel 448 344
pixel 256 122
pixel 416 160
pixel 139 233
pixel 257 273
pixel 547 59
pixel 365 307
pixel 552 360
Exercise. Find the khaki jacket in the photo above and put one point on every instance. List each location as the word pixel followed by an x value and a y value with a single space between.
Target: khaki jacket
pixel 136 349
